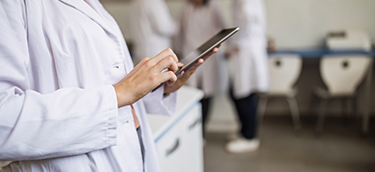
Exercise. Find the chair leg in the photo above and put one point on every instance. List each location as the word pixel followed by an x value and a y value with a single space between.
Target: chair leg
pixel 295 113
pixel 321 116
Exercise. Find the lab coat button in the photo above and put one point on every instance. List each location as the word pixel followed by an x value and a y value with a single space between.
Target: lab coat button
pixel 126 121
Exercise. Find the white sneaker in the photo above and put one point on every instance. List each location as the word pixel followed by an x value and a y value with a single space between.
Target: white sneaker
pixel 242 145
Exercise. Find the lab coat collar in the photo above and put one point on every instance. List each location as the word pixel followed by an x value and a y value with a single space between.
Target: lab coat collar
pixel 81 6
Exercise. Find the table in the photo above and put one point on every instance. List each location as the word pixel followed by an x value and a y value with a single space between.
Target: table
pixel 318 53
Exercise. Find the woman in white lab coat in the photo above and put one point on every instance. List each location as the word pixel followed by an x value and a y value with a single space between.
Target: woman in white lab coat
pixel 151 28
pixel 248 69
pixel 200 20
pixel 70 99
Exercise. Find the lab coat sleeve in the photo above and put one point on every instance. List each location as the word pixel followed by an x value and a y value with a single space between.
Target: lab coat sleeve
pixel 218 17
pixel 160 19
pixel 156 103
pixel 242 21
pixel 179 37
pixel 33 126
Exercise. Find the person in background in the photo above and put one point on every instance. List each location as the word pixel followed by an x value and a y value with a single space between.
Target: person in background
pixel 248 70
pixel 200 20
pixel 151 28
pixel 70 98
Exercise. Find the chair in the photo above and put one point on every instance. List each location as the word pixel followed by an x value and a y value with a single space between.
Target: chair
pixel 342 75
pixel 284 71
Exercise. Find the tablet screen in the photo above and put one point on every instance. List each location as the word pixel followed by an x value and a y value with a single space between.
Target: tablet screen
pixel 207 47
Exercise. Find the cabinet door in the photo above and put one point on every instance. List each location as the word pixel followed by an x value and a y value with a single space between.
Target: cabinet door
pixel 180 149
pixel 170 151
pixel 192 139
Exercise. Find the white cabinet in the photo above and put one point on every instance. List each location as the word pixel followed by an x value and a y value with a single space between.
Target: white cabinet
pixel 179 138
pixel 192 140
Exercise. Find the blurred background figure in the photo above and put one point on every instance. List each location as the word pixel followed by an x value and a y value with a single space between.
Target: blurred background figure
pixel 308 31
pixel 151 28
pixel 248 70
pixel 200 20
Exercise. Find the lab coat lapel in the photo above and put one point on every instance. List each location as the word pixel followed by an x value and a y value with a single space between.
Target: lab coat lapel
pixel 80 5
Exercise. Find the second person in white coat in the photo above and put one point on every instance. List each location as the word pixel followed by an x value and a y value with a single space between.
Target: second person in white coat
pixel 200 20
pixel 151 28
pixel 248 69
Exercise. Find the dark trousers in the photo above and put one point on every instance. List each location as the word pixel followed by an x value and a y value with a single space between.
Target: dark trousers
pixel 247 114
pixel 205 106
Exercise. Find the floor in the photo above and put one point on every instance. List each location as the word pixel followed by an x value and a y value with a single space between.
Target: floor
pixel 339 149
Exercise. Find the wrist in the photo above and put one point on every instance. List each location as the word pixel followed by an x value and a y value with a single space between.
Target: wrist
pixel 120 95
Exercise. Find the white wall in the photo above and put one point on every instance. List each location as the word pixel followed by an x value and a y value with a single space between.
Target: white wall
pixel 293 23
pixel 304 23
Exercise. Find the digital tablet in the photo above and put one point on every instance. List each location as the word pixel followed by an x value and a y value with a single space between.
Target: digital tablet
pixel 205 48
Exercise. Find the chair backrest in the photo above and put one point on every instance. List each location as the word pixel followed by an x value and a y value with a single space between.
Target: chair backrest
pixel 284 70
pixel 343 74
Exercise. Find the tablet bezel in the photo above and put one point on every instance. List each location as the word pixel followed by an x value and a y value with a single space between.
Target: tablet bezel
pixel 234 30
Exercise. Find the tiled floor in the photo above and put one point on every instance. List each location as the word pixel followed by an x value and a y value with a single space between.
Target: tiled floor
pixel 339 149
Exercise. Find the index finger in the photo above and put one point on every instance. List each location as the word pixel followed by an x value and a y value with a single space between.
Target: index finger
pixel 210 53
pixel 165 53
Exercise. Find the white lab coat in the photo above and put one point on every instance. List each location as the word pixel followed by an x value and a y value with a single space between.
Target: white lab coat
pixel 58 108
pixel 151 28
pixel 197 25
pixel 248 67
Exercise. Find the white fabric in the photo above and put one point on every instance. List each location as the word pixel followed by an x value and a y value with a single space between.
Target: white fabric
pixel 59 59
pixel 151 28
pixel 197 25
pixel 248 67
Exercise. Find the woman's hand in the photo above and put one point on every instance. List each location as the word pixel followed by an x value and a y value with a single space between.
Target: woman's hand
pixel 184 76
pixel 146 76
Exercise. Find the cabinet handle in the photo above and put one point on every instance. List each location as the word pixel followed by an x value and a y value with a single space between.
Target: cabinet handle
pixel 174 147
pixel 194 123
